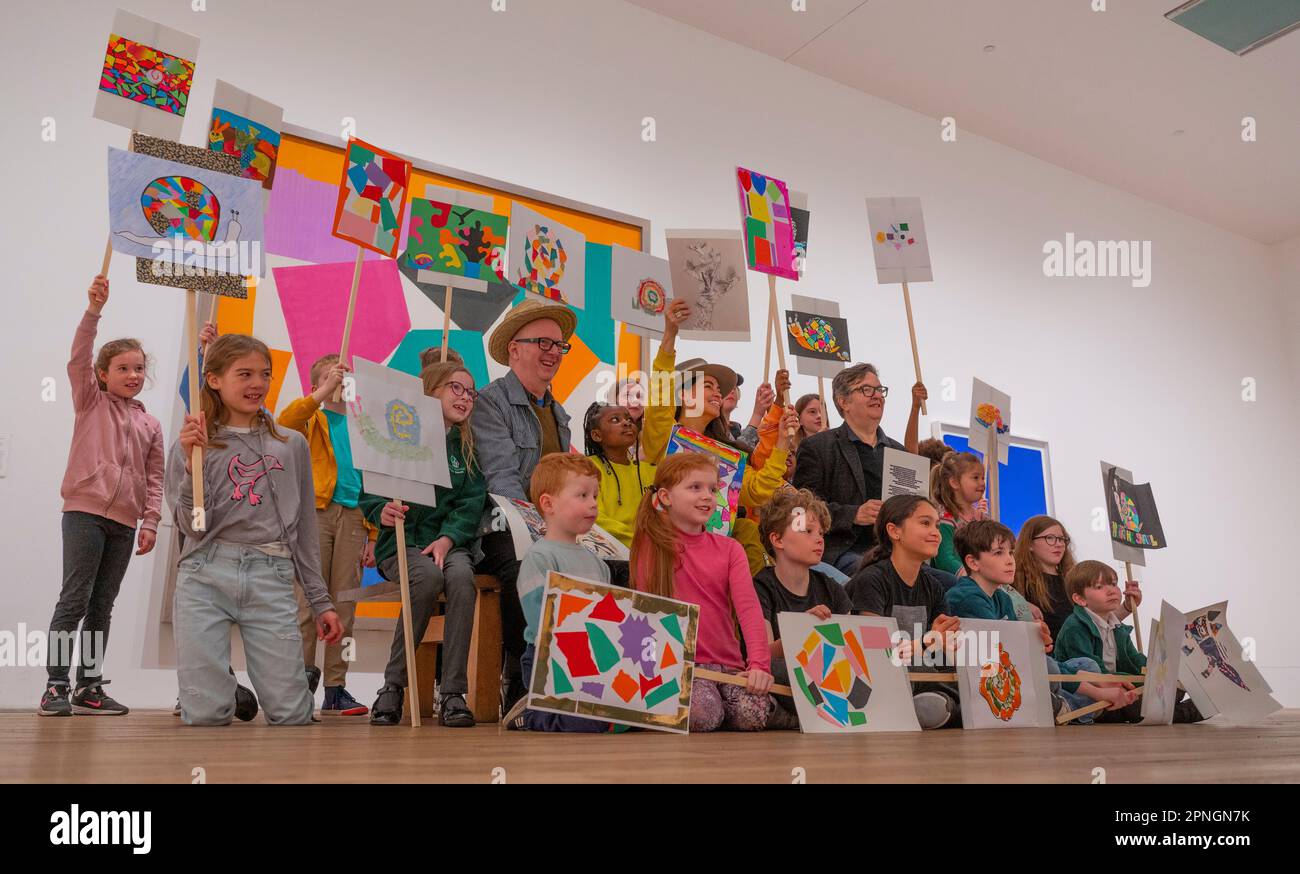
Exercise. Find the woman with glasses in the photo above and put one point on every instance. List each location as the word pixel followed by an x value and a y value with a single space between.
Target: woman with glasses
pixel 1043 558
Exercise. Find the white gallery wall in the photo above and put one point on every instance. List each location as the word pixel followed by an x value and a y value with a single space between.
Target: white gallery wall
pixel 552 94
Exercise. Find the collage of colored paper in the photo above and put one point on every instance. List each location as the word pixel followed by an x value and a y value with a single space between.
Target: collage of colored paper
pixel 768 224
pixel 614 654
pixel 843 674
pixel 731 473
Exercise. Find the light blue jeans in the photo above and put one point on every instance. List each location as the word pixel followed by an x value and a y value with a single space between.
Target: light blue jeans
pixel 1073 700
pixel 224 585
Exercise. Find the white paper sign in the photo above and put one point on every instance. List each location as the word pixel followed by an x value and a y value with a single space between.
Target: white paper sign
pixel 1007 686
pixel 1160 692
pixel 898 240
pixel 640 287
pixel 904 474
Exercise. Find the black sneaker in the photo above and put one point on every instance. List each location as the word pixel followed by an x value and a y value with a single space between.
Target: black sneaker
pixel 1185 712
pixel 55 701
pixel 453 712
pixel 313 678
pixel 245 703
pixel 90 700
pixel 511 691
pixel 387 709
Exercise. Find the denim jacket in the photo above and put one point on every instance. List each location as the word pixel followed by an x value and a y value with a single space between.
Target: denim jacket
pixel 508 437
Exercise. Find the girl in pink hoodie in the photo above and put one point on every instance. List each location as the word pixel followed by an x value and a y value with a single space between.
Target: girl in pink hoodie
pixel 114 480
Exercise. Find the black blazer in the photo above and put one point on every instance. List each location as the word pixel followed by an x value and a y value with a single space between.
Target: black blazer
pixel 828 465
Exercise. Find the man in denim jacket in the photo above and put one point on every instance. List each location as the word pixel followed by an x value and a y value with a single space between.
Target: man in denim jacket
pixel 516 421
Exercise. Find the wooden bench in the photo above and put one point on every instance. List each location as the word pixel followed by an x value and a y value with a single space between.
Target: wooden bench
pixel 484 668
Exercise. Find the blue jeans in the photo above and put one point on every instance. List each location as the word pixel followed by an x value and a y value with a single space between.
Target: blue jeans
pixel 1073 700
pixel 537 720
pixel 221 586
pixel 847 561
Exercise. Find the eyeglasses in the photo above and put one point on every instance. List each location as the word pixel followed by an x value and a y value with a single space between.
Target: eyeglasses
pixel 461 391
pixel 1054 539
pixel 546 344
pixel 868 390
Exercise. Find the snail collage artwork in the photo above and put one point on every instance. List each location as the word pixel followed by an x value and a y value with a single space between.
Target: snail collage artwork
pixel 396 433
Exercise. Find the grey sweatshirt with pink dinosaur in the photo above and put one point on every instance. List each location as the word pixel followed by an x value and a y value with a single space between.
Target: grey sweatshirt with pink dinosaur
pixel 256 491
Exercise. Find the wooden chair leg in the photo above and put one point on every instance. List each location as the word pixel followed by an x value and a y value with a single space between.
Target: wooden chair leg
pixel 426 669
pixel 485 658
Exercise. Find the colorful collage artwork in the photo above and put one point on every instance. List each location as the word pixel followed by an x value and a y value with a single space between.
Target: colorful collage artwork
pixel 799 216
pixel 453 243
pixel 1215 672
pixel 843 674
pixel 1003 680
pixel 769 228
pixel 1120 549
pixel 1131 508
pixel 372 198
pixel 248 128
pixel 898 240
pixel 990 415
pixel 546 257
pixel 146 78
pixel 614 654
pixel 731 473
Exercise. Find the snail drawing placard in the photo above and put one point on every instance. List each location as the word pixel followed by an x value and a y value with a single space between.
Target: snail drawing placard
pixel 1002 676
pixel 546 257
pixel 147 74
pixel 396 432
pixel 843 674
pixel 247 127
pixel 898 240
pixel 185 216
pixel 610 653
pixel 708 272
pixel 640 287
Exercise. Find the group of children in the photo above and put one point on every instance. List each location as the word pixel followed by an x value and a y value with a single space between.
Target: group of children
pixel 283 503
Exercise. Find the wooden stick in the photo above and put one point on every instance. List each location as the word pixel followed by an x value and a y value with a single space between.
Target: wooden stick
pixel 1132 607
pixel 1071 715
pixel 412 684
pixel 446 322
pixel 821 398
pixel 733 680
pixel 771 317
pixel 991 476
pixel 776 321
pixel 347 324
pixel 911 331
pixel 198 521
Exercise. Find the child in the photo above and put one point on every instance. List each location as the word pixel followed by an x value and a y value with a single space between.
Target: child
pixel 259 533
pixel 673 556
pixel 439 543
pixel 987 549
pixel 812 418
pixel 958 491
pixel 792 529
pixel 894 580
pixel 1043 560
pixel 433 355
pixel 113 480
pixel 565 488
pixel 611 438
pixel 342 527
pixel 1094 630
pixel 934 449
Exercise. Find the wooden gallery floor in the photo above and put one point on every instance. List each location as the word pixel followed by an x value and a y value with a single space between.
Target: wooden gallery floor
pixel 153 747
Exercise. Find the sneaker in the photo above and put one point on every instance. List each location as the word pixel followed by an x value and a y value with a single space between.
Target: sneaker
pixel 387 709
pixel 1185 712
pixel 90 700
pixel 55 701
pixel 453 712
pixel 176 711
pixel 339 703
pixel 313 678
pixel 933 710
pixel 245 703
pixel 780 719
pixel 511 691
pixel 1058 704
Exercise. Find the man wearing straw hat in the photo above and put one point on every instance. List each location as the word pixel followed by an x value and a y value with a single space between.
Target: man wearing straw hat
pixel 515 422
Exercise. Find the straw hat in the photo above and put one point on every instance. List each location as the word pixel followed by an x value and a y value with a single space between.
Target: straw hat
pixel 726 378
pixel 529 310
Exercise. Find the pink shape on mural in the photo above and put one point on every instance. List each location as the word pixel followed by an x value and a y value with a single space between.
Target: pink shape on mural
pixel 314 299
pixel 300 218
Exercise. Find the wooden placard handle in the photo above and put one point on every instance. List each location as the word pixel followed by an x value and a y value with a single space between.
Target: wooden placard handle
pixel 347 323
pixel 1071 715
pixel 404 579
pixel 911 332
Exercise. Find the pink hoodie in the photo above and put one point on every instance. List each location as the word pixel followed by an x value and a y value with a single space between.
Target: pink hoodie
pixel 116 461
